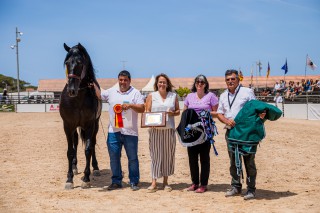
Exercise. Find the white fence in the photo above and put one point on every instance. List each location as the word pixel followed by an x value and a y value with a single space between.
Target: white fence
pixel 302 111
pixel 295 111
pixel 46 107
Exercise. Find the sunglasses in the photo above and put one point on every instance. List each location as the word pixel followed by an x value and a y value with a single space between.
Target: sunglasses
pixel 230 79
pixel 200 82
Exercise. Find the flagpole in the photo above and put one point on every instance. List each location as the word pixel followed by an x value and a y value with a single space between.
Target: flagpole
pixel 284 75
pixel 305 81
pixel 268 77
pixel 305 70
pixel 268 73
pixel 266 82
pixel 257 78
pixel 251 73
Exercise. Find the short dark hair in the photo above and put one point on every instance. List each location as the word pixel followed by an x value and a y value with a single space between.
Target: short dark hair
pixel 169 84
pixel 125 73
pixel 206 88
pixel 230 72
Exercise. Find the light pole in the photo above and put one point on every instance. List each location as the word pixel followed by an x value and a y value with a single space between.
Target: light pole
pixel 18 34
pixel 123 64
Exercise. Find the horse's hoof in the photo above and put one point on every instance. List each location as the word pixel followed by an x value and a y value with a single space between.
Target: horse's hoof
pixel 68 186
pixel 96 173
pixel 75 171
pixel 85 185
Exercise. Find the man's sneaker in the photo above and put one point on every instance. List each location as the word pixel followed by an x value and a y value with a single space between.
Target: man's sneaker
pixel 114 186
pixel 233 192
pixel 134 187
pixel 193 187
pixel 249 195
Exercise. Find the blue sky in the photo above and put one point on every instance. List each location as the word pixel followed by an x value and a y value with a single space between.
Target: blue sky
pixel 181 38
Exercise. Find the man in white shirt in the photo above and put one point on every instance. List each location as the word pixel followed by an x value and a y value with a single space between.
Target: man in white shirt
pixel 277 87
pixel 125 102
pixel 231 102
pixel 277 99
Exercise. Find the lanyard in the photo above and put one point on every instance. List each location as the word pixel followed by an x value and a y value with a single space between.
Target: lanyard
pixel 230 105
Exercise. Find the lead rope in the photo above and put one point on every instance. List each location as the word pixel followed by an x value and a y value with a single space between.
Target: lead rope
pixel 238 162
pixel 105 137
pixel 94 93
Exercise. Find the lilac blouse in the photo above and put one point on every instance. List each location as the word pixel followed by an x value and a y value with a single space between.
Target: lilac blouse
pixel 206 102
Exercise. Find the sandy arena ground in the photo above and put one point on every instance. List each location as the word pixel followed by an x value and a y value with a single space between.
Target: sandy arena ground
pixel 33 169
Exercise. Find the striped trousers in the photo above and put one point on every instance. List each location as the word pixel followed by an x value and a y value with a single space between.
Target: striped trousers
pixel 162 146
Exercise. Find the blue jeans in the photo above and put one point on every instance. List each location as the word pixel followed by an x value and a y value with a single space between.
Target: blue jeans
pixel 115 142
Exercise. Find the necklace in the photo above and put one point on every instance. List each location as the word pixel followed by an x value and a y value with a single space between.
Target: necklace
pixel 230 104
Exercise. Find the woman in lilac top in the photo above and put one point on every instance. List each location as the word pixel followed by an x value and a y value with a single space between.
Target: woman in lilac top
pixel 200 99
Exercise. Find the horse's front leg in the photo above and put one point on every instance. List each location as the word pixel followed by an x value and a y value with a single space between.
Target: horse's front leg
pixel 75 147
pixel 70 155
pixel 88 153
pixel 96 171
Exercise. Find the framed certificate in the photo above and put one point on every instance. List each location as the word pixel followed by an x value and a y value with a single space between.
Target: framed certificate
pixel 153 119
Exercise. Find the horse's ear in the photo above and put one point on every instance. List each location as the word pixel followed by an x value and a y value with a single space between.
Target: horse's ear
pixel 66 47
pixel 80 46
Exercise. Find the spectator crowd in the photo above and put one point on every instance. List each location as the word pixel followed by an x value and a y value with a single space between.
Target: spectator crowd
pixel 292 89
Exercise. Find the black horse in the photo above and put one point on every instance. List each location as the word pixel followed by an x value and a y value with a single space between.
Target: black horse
pixel 80 110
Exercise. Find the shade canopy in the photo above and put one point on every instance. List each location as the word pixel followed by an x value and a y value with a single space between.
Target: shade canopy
pixel 149 86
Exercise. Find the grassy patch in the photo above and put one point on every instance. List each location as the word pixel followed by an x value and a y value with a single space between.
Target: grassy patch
pixel 7 108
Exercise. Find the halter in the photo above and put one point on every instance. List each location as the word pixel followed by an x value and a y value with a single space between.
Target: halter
pixel 75 76
pixel 83 72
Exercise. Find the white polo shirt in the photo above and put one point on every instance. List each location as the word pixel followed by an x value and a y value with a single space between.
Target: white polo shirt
pixel 237 101
pixel 115 96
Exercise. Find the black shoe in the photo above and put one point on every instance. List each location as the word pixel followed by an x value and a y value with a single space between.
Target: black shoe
pixel 114 186
pixel 134 187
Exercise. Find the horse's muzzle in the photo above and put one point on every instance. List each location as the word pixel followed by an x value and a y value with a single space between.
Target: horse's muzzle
pixel 72 89
pixel 72 92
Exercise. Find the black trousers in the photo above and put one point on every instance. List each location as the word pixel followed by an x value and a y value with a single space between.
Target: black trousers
pixel 202 150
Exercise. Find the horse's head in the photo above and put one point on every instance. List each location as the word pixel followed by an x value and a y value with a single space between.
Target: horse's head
pixel 78 68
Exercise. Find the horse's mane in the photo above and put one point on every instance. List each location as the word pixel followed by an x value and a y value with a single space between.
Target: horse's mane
pixel 90 75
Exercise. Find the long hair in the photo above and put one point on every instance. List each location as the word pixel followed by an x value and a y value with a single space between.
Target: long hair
pixel 202 78
pixel 169 84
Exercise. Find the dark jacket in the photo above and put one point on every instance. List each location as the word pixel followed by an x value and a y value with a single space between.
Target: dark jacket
pixel 190 130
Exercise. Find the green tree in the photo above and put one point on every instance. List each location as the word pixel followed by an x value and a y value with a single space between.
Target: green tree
pixel 11 83
pixel 183 91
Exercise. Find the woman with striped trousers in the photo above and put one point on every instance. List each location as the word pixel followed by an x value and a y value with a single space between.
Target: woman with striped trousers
pixel 162 140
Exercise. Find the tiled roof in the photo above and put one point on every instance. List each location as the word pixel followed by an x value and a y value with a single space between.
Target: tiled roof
pixel 56 85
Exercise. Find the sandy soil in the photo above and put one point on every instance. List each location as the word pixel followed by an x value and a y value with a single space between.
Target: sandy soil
pixel 33 169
